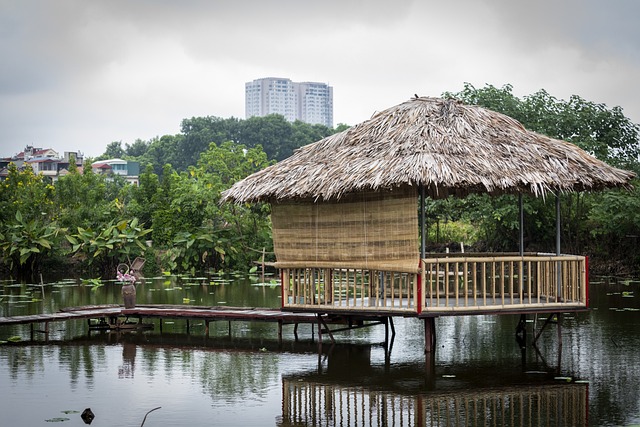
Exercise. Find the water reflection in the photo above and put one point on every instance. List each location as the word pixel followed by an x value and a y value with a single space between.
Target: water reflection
pixel 128 360
pixel 313 401
pixel 245 377
pixel 244 381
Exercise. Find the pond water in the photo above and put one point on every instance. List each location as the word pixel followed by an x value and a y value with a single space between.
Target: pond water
pixel 240 375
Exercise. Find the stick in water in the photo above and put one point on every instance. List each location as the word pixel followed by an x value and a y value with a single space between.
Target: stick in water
pixel 145 417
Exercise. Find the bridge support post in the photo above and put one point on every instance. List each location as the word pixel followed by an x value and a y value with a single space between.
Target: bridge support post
pixel 429 334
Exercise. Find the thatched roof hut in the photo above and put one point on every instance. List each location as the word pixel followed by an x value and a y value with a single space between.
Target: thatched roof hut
pixel 351 198
pixel 443 144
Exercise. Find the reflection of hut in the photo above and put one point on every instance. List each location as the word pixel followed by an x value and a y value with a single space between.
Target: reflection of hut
pixel 307 402
pixel 346 224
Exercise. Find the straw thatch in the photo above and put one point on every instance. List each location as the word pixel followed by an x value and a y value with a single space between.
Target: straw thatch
pixel 443 144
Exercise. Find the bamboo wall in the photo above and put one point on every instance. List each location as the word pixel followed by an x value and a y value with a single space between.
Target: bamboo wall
pixel 363 229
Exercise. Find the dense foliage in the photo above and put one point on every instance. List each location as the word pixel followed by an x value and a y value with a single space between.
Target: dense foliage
pixel 604 225
pixel 175 221
pixel 174 217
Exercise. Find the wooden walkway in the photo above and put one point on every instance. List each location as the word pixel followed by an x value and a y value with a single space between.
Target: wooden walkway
pixel 111 317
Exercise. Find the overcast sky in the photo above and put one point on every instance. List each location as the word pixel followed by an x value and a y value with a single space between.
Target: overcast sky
pixel 79 74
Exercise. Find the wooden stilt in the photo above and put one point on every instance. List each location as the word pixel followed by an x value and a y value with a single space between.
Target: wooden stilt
pixel 386 332
pixel 430 371
pixel 545 324
pixel 322 323
pixel 521 331
pixel 280 332
pixel 429 334
pixel 559 330
pixel 319 334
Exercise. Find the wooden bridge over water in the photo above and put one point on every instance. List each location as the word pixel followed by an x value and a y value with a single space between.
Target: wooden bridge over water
pixel 118 318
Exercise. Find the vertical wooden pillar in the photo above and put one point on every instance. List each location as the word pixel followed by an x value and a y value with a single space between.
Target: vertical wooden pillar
pixel 559 325
pixel 521 223
pixel 559 295
pixel 423 225
pixel 429 334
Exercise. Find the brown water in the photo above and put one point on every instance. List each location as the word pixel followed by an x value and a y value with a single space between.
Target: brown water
pixel 478 375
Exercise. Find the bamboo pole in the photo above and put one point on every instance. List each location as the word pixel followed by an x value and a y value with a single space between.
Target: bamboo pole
pixel 529 274
pixel 484 283
pixel 502 280
pixel 465 277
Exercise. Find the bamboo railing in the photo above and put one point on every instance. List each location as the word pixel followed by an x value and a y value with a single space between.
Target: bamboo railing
pixel 350 288
pixel 482 282
pixel 465 283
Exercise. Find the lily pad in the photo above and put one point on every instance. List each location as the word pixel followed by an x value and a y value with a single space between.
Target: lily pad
pixel 14 338
pixel 57 420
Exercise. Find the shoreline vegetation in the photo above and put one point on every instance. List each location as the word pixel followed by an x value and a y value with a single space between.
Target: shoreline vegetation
pixel 90 222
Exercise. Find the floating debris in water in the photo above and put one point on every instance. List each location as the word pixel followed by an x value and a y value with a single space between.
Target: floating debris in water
pixel 56 420
pixel 266 284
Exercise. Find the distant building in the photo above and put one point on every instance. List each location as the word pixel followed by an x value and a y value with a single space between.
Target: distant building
pixel 130 171
pixel 46 162
pixel 309 102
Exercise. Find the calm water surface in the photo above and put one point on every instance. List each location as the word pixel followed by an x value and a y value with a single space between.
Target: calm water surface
pixel 242 376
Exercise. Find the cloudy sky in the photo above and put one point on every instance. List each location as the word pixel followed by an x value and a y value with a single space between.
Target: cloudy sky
pixel 79 74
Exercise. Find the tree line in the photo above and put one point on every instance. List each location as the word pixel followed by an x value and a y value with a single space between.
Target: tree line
pixel 277 137
pixel 174 217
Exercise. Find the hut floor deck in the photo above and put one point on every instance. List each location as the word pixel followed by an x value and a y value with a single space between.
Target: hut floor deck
pixel 443 306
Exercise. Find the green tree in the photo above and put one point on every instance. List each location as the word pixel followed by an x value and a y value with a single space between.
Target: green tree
pixel 117 242
pixel 113 151
pixel 163 151
pixel 25 244
pixel 137 149
pixel 86 200
pixel 273 133
pixel 604 132
pixel 199 132
pixel 199 231
pixel 26 192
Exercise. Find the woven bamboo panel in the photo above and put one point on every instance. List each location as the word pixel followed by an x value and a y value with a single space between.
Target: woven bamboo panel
pixel 368 228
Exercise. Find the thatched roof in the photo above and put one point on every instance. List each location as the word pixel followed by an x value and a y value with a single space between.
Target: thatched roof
pixel 450 147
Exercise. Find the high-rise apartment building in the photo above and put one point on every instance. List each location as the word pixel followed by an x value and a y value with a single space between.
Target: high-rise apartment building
pixel 309 102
